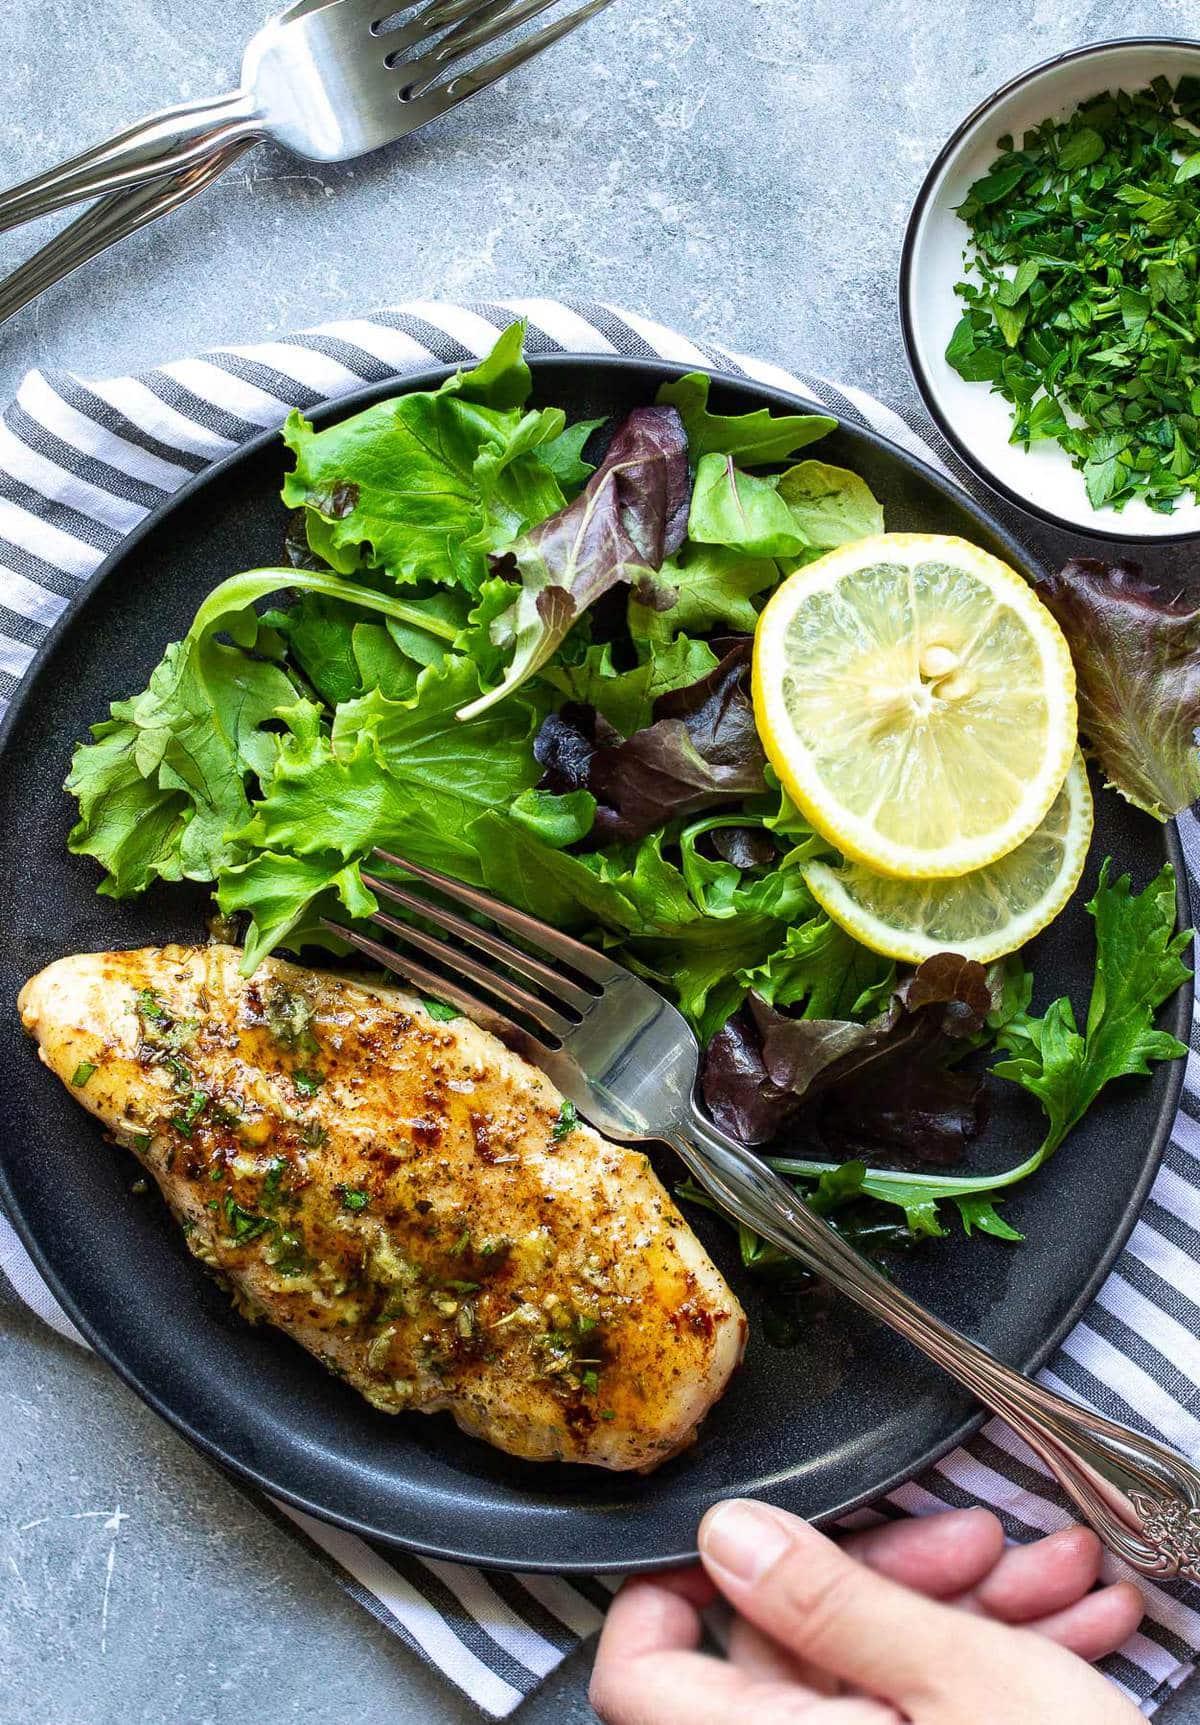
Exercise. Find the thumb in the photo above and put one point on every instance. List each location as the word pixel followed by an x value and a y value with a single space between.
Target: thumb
pixel 809 1595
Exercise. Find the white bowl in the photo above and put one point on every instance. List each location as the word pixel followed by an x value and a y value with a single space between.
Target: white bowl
pixel 972 418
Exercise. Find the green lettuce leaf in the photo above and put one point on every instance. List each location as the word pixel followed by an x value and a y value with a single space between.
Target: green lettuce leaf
pixel 639 900
pixel 285 897
pixel 557 821
pixel 166 781
pixel 754 438
pixel 626 698
pixel 823 970
pixel 319 632
pixel 629 516
pixel 563 455
pixel 425 485
pixel 166 777
pixel 405 774
pixel 798 514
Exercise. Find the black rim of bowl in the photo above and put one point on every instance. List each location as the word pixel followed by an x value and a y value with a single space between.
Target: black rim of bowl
pixel 916 217
pixel 1179 1011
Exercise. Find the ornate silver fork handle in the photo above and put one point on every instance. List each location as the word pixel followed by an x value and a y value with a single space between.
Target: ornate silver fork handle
pixel 1141 1497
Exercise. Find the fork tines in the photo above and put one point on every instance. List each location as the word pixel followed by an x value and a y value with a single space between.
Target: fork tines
pixel 560 995
pixel 470 26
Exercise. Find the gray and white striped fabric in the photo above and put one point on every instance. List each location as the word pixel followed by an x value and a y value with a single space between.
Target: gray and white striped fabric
pixel 81 463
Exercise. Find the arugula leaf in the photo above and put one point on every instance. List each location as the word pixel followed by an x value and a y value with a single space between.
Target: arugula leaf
pixel 630 515
pixel 755 438
pixel 1137 660
pixel 711 587
pixel 830 505
pixel 740 510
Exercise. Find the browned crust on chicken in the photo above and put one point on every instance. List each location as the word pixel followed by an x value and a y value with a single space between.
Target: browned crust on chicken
pixel 405 1197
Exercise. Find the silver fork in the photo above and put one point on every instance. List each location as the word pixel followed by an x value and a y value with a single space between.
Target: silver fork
pixel 329 82
pixel 109 219
pixel 629 1062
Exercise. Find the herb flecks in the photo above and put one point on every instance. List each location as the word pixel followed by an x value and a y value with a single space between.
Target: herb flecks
pixel 243 1224
pixel 289 1018
pixel 82 1073
pixel 565 1123
pixel 1082 307
pixel 185 1120
pixel 160 1032
pixel 273 1182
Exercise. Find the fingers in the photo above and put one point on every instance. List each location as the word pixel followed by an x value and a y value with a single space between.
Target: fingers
pixel 647 1671
pixel 646 1652
pixel 656 1614
pixel 760 1657
pixel 799 1588
pixel 939 1555
pixel 668 1689
pixel 690 1689
pixel 960 1555
pixel 1096 1626
pixel 1032 1581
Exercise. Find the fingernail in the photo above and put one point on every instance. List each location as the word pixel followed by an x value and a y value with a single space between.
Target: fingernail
pixel 742 1538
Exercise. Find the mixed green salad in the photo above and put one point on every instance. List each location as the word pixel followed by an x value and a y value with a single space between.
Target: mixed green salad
pixel 527 667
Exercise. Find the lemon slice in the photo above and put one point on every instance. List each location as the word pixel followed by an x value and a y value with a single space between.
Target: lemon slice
pixel 984 914
pixel 918 702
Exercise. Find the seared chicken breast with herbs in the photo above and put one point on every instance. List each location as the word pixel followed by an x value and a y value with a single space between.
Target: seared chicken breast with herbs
pixel 402 1194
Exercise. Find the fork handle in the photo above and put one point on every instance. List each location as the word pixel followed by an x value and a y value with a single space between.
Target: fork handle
pixel 1142 1498
pixel 162 143
pixel 105 222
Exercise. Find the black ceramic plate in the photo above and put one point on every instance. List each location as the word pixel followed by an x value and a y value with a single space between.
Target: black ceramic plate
pixel 819 1428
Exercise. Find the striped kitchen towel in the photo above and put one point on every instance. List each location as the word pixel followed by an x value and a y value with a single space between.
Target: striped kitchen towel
pixel 81 463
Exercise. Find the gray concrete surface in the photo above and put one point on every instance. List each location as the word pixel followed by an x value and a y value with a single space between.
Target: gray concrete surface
pixel 741 171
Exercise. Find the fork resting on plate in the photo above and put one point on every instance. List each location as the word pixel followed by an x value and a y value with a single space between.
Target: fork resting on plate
pixel 328 79
pixel 629 1062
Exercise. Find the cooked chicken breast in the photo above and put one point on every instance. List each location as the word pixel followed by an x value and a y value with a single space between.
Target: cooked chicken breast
pixel 407 1198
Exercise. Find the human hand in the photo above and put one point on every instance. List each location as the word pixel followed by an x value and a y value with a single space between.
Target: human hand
pixel 932 1621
